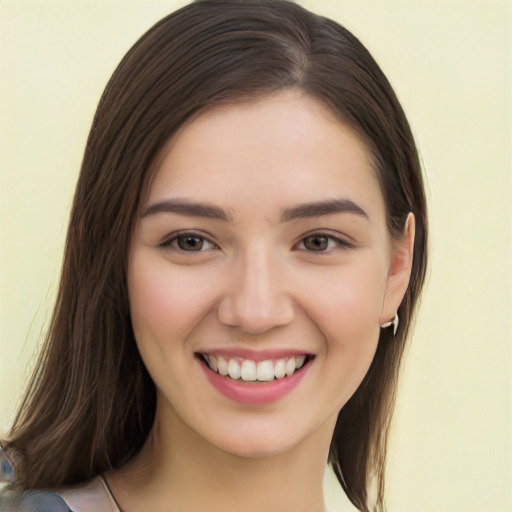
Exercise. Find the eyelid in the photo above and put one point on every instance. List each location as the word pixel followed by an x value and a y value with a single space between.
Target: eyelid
pixel 171 237
pixel 342 242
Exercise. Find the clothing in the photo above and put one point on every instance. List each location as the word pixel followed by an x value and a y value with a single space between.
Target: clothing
pixel 93 496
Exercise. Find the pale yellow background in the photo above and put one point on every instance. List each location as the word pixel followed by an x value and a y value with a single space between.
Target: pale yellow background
pixel 450 62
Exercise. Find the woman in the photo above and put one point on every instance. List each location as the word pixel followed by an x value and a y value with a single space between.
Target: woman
pixel 248 227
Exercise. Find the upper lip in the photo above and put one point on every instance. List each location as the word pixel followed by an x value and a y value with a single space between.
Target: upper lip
pixel 255 355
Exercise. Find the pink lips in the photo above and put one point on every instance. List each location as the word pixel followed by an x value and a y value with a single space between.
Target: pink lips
pixel 260 393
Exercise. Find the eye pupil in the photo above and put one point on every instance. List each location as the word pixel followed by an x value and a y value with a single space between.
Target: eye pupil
pixel 316 243
pixel 190 243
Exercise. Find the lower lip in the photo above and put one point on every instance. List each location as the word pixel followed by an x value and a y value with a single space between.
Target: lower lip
pixel 255 394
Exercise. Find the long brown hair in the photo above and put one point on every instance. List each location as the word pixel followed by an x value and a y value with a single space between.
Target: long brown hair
pixel 91 403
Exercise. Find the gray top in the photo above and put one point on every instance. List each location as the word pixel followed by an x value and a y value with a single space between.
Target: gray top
pixel 91 496
pixel 32 501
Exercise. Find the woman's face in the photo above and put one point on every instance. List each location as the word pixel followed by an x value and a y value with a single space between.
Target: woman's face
pixel 261 252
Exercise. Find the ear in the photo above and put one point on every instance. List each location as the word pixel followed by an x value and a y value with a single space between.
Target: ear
pixel 399 271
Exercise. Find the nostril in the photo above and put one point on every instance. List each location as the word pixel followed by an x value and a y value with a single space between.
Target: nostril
pixel 254 318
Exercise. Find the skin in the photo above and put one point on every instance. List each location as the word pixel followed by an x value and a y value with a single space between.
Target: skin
pixel 258 284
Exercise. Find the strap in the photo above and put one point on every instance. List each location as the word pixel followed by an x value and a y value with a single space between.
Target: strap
pixel 94 495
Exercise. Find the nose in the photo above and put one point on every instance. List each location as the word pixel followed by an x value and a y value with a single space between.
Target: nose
pixel 256 297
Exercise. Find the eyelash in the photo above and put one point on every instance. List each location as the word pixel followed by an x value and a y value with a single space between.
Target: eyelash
pixel 339 242
pixel 174 238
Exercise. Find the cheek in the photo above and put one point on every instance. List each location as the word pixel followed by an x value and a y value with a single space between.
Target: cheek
pixel 164 299
pixel 346 304
pixel 346 310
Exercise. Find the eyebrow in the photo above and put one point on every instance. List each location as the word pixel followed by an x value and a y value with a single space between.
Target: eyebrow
pixel 190 208
pixel 210 211
pixel 320 208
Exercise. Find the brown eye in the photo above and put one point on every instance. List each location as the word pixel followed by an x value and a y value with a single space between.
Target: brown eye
pixel 190 243
pixel 316 243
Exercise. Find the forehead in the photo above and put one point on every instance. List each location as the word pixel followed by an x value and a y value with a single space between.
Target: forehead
pixel 283 149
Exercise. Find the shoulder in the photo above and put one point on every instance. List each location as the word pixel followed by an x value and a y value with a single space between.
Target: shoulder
pixel 31 501
pixel 92 495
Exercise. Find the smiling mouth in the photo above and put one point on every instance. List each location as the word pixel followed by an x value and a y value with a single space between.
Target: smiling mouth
pixel 247 370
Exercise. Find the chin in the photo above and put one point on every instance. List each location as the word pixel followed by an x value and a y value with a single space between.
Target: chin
pixel 258 449
pixel 266 439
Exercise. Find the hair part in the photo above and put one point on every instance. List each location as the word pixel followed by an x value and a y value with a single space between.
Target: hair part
pixel 90 404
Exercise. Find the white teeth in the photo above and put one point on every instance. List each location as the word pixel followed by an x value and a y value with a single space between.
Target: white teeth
pixel 290 366
pixel 265 371
pixel 280 368
pixel 234 369
pixel 212 363
pixel 222 365
pixel 250 371
pixel 299 361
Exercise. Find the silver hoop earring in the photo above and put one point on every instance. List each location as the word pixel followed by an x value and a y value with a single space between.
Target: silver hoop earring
pixel 393 323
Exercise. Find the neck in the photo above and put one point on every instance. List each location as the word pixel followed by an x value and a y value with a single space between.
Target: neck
pixel 185 473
